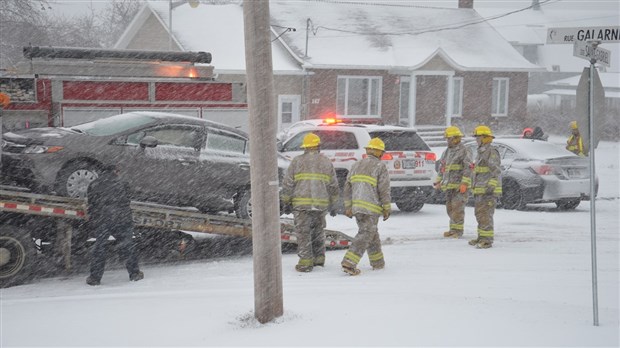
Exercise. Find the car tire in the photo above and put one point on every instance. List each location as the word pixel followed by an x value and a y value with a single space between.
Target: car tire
pixel 243 204
pixel 512 198
pixel 409 206
pixel 73 180
pixel 17 255
pixel 568 204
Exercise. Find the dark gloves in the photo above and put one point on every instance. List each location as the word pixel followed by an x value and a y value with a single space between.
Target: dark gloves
pixel 386 215
pixel 333 212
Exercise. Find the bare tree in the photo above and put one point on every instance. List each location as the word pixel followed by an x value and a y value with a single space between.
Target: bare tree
pixel 22 22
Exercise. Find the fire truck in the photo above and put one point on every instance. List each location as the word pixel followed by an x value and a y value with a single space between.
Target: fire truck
pixel 38 229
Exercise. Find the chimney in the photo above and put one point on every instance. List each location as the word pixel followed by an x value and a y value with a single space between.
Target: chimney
pixel 536 5
pixel 466 3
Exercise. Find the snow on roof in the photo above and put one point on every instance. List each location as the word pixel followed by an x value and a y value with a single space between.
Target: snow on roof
pixel 393 35
pixel 363 35
pixel 218 29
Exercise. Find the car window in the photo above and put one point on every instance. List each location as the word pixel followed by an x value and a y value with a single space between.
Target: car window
pixel 509 153
pixel 217 141
pixel 294 144
pixel 114 124
pixel 401 140
pixel 172 135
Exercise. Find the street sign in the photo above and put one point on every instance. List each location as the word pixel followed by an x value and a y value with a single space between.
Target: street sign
pixel 569 35
pixel 587 50
pixel 582 113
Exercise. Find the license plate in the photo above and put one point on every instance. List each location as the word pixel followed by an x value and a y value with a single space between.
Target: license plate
pixel 410 164
pixel 575 173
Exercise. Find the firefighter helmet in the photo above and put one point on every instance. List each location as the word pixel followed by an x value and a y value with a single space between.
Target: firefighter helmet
pixel 376 143
pixel 573 125
pixel 483 131
pixel 311 140
pixel 453 131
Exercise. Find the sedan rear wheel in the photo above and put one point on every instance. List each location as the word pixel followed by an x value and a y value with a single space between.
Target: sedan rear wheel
pixel 568 204
pixel 409 206
pixel 512 198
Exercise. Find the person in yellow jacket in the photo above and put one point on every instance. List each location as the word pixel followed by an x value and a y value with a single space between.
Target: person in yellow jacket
pixel 309 191
pixel 454 178
pixel 487 186
pixel 574 143
pixel 367 197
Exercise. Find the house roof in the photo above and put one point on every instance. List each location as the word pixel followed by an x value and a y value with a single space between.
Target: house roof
pixel 342 34
pixel 392 35
pixel 213 28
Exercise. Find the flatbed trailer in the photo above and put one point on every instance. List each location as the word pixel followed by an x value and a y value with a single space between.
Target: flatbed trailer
pixel 34 223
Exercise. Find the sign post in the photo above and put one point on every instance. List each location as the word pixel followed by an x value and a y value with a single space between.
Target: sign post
pixel 586 43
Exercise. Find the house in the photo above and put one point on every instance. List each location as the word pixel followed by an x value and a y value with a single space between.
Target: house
pixel 376 61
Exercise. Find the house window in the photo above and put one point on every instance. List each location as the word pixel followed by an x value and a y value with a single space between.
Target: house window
pixel 457 97
pixel 288 110
pixel 499 105
pixel 359 96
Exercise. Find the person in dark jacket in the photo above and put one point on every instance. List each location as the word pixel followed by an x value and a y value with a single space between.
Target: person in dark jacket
pixel 538 134
pixel 109 214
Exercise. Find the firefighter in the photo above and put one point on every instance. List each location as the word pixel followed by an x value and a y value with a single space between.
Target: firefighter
pixel 487 186
pixel 310 189
pixel 367 196
pixel 454 178
pixel 109 213
pixel 574 143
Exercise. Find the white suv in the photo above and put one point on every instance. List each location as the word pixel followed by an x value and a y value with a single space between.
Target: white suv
pixel 409 160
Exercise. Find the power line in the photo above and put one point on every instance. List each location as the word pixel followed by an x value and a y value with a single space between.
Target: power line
pixel 451 26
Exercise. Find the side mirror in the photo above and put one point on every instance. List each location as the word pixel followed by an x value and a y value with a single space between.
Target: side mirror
pixel 280 146
pixel 148 141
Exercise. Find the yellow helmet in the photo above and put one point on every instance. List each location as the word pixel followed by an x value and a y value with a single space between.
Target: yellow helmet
pixel 376 143
pixel 453 131
pixel 311 140
pixel 573 125
pixel 483 131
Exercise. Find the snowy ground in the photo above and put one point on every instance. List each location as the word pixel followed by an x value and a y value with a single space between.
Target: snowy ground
pixel 533 288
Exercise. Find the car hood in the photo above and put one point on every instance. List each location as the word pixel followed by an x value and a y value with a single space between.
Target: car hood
pixel 39 135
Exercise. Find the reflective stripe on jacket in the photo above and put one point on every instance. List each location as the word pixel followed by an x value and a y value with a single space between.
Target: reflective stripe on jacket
pixel 575 145
pixel 367 189
pixel 456 168
pixel 310 183
pixel 487 171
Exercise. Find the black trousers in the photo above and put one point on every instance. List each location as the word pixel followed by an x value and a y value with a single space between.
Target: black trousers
pixel 126 248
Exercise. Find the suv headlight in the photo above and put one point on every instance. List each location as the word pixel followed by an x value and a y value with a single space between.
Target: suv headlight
pixel 35 149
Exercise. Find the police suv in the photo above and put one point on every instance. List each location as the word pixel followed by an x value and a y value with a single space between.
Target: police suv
pixel 409 160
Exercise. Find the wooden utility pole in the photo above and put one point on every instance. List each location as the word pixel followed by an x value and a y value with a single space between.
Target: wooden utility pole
pixel 268 302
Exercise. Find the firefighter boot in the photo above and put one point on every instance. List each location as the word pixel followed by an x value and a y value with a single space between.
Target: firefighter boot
pixel 484 244
pixel 452 234
pixel 319 261
pixel 300 268
pixel 474 242
pixel 350 268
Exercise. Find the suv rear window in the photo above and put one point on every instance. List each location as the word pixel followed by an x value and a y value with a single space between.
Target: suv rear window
pixel 330 140
pixel 401 140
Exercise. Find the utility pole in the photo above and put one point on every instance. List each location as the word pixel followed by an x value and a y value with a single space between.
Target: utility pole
pixel 267 253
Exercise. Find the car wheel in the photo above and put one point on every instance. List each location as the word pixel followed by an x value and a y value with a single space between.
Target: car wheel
pixel 409 206
pixel 73 180
pixel 568 204
pixel 243 205
pixel 512 198
pixel 17 255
